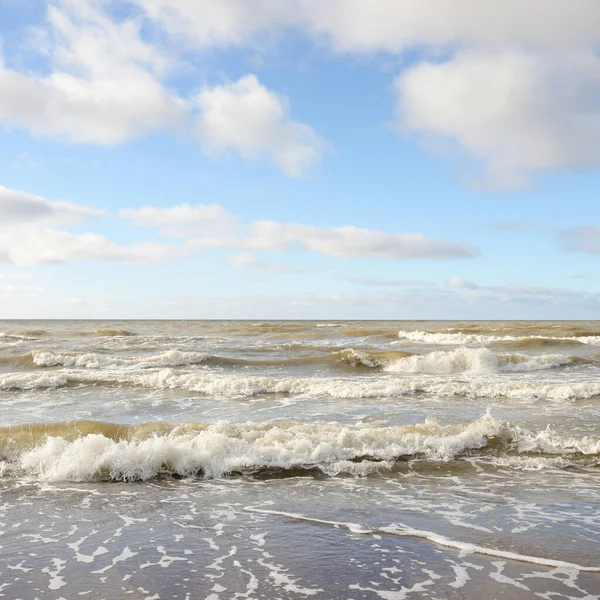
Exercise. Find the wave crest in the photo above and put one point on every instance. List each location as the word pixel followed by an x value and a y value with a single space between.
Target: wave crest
pixel 223 385
pixel 476 339
pixel 88 451
pixel 476 360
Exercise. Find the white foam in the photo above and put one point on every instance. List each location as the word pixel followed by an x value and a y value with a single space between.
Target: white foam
pixel 470 339
pixel 406 531
pixel 242 386
pixel 31 381
pixel 224 447
pixel 475 360
pixel 96 361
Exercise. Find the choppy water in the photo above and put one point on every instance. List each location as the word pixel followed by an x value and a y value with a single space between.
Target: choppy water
pixel 215 459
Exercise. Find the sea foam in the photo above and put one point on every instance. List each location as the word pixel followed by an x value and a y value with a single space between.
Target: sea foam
pixel 222 448
pixel 476 360
pixel 223 385
pixel 475 339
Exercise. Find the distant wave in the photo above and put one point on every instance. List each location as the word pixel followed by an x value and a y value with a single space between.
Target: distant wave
pixel 347 357
pixel 470 339
pixel 472 360
pixel 15 337
pixel 477 360
pixel 105 333
pixel 223 385
pixel 89 451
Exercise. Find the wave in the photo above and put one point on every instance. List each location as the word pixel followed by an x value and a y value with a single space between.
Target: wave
pixel 16 337
pixel 91 360
pixel 222 385
pixel 105 333
pixel 477 360
pixel 470 339
pixel 363 332
pixel 90 451
pixel 346 357
pixel 33 333
pixel 403 530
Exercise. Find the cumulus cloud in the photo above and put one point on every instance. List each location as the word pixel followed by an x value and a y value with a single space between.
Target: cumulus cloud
pixel 512 85
pixel 184 220
pixel 104 82
pixel 35 246
pixel 382 25
pixel 32 233
pixel 21 208
pixel 247 117
pixel 353 242
pixel 105 85
pixel 272 236
pixel 28 235
pixel 516 112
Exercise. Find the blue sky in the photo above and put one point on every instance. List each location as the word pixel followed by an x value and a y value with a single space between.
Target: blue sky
pixel 299 159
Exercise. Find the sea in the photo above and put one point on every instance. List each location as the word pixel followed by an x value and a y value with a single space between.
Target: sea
pixel 351 460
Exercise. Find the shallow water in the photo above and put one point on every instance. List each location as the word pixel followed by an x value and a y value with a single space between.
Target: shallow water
pixel 293 459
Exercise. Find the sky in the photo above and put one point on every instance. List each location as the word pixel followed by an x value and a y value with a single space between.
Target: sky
pixel 320 159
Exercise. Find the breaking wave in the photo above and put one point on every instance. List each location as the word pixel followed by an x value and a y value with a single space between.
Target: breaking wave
pixel 477 360
pixel 224 385
pixel 478 339
pixel 90 451
pixel 174 358
pixel 105 333
pixel 467 360
pixel 91 360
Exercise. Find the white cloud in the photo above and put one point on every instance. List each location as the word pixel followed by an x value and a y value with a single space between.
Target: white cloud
pixel 247 117
pixel 28 236
pixel 517 88
pixel 42 246
pixel 21 208
pixel 184 220
pixel 514 111
pixel 382 25
pixel 353 242
pixel 104 85
pixel 271 236
pixel 581 239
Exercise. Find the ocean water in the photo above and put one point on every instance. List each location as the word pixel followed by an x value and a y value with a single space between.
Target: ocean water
pixel 333 460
